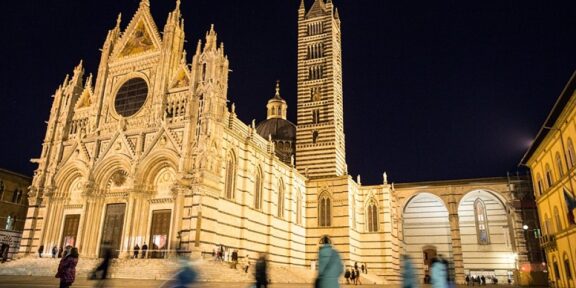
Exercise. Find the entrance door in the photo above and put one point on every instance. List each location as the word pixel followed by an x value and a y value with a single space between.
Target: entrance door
pixel 112 229
pixel 429 254
pixel 70 231
pixel 159 232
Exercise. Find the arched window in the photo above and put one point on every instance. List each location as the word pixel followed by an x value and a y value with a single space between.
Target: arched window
pixel 556 270
pixel 230 176
pixel 281 199
pixel 559 165
pixel 571 155
pixel 546 225
pixel 372 216
pixel 481 222
pixel 258 189
pixel 549 179
pixel 557 219
pixel 299 208
pixel 567 267
pixel 539 188
pixel 324 210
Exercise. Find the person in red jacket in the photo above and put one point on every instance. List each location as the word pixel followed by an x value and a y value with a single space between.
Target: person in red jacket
pixel 67 268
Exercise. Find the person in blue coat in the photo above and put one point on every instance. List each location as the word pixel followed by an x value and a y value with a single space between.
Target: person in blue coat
pixel 438 274
pixel 408 275
pixel 329 265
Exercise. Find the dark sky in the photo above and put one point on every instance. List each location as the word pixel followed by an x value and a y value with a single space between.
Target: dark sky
pixel 433 90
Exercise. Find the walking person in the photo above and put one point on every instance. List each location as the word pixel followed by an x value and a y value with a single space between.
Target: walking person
pixel 261 273
pixel 136 251
pixel 347 275
pixel 358 282
pixel 353 276
pixel 438 274
pixel 329 265
pixel 144 249
pixel 101 272
pixel 40 251
pixel 60 251
pixel 408 275
pixel 54 252
pixel 67 267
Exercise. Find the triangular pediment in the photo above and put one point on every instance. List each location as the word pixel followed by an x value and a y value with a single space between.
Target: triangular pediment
pixel 317 9
pixel 141 36
pixel 85 99
pixel 181 78
pixel 163 139
pixel 119 144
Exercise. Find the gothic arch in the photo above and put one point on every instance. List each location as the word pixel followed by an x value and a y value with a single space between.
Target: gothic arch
pixel 502 199
pixel 153 163
pixel 105 169
pixel 324 209
pixel 372 217
pixel 230 171
pixel 67 175
pixel 413 196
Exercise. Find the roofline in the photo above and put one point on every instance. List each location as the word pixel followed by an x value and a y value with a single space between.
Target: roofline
pixel 15 174
pixel 554 114
pixel 458 181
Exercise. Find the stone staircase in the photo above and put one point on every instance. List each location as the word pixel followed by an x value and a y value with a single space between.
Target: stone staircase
pixel 157 269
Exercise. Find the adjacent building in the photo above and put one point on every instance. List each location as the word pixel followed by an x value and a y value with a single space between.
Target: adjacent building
pixel 13 209
pixel 148 150
pixel 552 161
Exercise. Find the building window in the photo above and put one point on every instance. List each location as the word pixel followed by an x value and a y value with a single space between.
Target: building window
pixel 557 219
pixel 571 155
pixel 324 210
pixel 16 196
pixel 10 222
pixel 281 199
pixel 549 179
pixel 559 165
pixel 567 268
pixel 1 190
pixel 316 116
pixel 372 216
pixel 314 136
pixel 230 176
pixel 315 72
pixel 315 28
pixel 315 94
pixel 299 208
pixel 481 222
pixel 556 270
pixel 539 188
pixel 258 189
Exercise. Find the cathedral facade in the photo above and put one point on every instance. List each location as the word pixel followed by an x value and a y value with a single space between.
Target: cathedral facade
pixel 148 151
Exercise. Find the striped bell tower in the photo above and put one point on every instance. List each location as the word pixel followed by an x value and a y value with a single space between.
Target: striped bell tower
pixel 320 146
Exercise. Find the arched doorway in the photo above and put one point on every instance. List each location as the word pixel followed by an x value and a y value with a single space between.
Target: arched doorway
pixel 426 231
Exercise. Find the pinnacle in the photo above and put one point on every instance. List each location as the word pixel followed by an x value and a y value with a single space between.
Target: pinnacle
pixel 277 94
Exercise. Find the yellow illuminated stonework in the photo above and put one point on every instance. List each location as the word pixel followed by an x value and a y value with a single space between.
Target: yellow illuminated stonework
pixel 182 171
pixel 552 161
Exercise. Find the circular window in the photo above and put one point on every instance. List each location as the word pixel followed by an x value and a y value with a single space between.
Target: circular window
pixel 131 97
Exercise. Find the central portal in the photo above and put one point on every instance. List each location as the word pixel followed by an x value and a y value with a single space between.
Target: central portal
pixel 159 232
pixel 112 229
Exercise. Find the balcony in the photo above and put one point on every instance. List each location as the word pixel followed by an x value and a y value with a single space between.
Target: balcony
pixel 548 242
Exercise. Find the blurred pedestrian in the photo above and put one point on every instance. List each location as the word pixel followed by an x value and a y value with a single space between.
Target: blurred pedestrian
pixel 186 276
pixel 60 251
pixel 408 275
pixel 329 265
pixel 101 272
pixel 353 276
pixel 54 251
pixel 40 251
pixel 347 275
pixel 358 281
pixel 362 267
pixel 144 249
pixel 246 264
pixel 261 273
pixel 438 274
pixel 67 267
pixel 136 251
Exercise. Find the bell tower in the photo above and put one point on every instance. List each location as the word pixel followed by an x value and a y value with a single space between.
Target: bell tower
pixel 320 146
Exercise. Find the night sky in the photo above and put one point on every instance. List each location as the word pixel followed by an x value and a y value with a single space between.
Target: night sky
pixel 433 90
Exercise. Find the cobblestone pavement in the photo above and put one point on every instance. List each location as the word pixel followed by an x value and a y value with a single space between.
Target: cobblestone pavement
pixel 37 282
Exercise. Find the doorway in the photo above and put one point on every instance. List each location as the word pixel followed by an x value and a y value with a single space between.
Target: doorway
pixel 70 231
pixel 112 229
pixel 159 233
pixel 428 254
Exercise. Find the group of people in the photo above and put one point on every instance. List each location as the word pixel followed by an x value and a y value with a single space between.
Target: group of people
pixel 479 280
pixel 137 250
pixel 439 275
pixel 352 275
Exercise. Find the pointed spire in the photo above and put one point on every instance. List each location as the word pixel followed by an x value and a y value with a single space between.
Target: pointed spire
pixel 88 82
pixel 277 95
pixel 198 47
pixel 210 39
pixel 336 14
pixel 118 21
pixel 183 60
pixel 79 68
pixel 302 7
pixel 145 3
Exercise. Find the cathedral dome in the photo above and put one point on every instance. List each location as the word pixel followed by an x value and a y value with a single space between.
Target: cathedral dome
pixel 277 129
